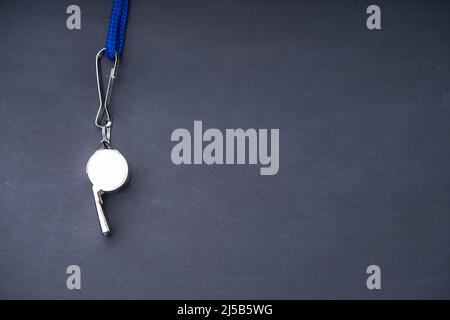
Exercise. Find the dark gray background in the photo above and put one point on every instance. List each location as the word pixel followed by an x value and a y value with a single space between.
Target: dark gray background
pixel 364 119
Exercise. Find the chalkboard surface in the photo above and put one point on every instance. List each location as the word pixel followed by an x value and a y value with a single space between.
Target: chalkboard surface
pixel 364 150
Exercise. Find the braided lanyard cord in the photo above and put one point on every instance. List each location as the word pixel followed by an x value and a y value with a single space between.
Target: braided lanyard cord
pixel 116 30
pixel 113 48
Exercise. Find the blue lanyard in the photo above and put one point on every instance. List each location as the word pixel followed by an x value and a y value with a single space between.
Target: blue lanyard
pixel 116 30
pixel 113 48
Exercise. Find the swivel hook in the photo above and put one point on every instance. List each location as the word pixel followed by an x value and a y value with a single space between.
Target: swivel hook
pixel 103 119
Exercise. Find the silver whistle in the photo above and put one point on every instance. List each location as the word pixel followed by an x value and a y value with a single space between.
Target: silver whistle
pixel 107 170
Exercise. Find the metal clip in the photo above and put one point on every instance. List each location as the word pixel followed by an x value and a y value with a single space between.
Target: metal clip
pixel 103 119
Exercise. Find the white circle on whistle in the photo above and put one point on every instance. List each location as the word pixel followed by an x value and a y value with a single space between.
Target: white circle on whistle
pixel 107 169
